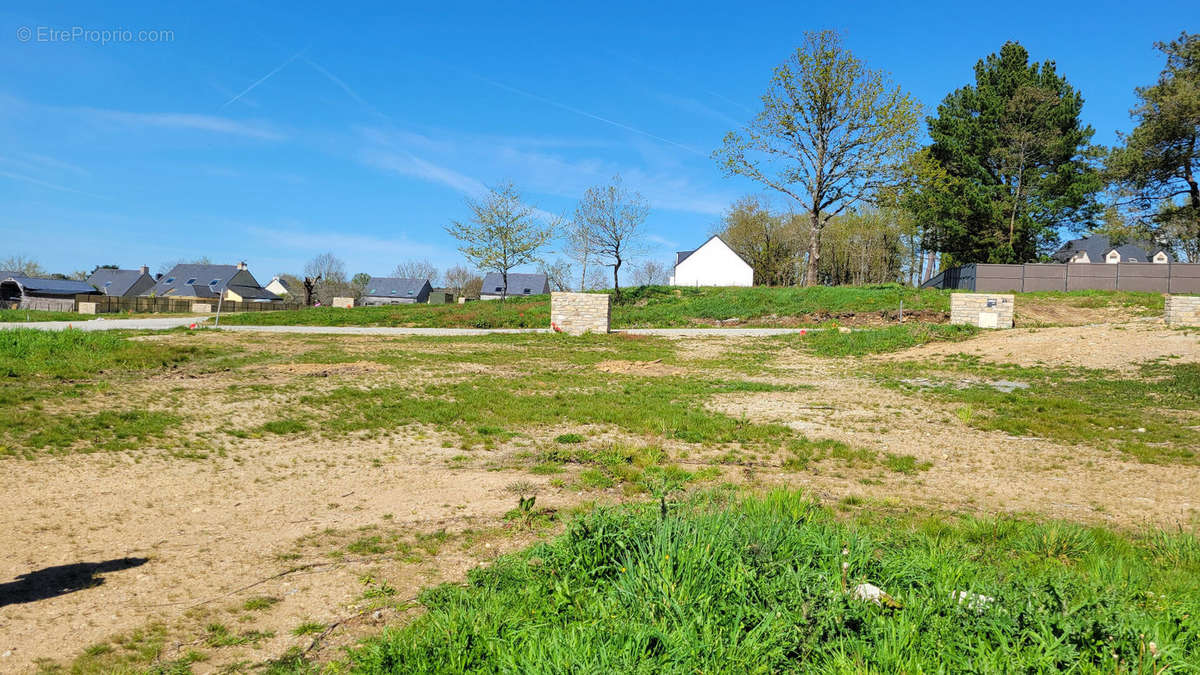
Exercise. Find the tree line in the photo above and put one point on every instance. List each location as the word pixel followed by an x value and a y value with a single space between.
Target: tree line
pixel 1010 165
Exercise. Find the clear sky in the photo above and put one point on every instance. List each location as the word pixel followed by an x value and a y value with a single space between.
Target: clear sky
pixel 274 132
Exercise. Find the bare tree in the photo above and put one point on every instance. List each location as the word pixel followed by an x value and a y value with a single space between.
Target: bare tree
pixel 557 273
pixel 614 216
pixel 23 265
pixel 579 245
pixel 650 273
pixel 458 277
pixel 417 269
pixel 831 134
pixel 327 267
pixel 502 233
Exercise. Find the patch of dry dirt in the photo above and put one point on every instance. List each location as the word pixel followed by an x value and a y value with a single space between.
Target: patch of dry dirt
pixel 1119 347
pixel 651 368
pixel 1055 311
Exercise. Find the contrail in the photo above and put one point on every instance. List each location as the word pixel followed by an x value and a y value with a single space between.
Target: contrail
pixel 264 78
pixel 585 113
pixel 345 87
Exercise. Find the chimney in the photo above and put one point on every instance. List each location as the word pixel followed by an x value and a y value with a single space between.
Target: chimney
pixel 144 269
pixel 241 265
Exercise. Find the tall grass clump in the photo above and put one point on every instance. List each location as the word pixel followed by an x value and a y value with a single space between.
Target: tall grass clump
pixel 72 354
pixel 719 585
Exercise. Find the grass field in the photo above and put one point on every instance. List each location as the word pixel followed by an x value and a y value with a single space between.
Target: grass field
pixel 722 584
pixel 615 503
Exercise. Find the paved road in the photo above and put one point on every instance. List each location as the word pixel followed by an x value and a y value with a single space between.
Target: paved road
pixel 163 324
pixel 107 324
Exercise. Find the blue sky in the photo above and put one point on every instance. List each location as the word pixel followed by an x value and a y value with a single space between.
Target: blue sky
pixel 275 132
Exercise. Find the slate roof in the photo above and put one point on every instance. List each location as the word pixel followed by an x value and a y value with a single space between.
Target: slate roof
pixel 1098 245
pixel 396 287
pixel 116 282
pixel 518 282
pixel 209 281
pixel 50 286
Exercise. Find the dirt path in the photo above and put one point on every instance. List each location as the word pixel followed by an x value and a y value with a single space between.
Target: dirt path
pixel 174 538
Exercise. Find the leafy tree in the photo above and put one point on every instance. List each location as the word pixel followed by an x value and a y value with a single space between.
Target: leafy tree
pixel 830 135
pixel 615 217
pixel 773 243
pixel 360 281
pixel 1018 162
pixel 503 232
pixel 417 269
pixel 1158 164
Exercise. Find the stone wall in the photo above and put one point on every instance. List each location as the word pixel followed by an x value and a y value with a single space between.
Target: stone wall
pixel 579 313
pixel 87 307
pixel 344 303
pixel 1183 310
pixel 202 308
pixel 985 310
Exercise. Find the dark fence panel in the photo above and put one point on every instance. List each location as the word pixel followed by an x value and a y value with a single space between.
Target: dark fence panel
pixel 1148 277
pixel 147 305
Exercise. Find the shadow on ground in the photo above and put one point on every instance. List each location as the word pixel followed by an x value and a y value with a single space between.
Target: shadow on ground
pixel 59 580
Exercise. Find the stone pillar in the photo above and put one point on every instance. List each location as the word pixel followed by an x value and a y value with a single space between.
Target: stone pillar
pixel 1183 310
pixel 579 313
pixel 985 310
pixel 202 308
pixel 87 308
pixel 344 303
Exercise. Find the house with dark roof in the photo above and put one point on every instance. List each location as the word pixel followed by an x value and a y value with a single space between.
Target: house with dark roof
pixel 714 263
pixel 212 282
pixel 18 291
pixel 1098 249
pixel 395 291
pixel 122 283
pixel 518 284
pixel 279 286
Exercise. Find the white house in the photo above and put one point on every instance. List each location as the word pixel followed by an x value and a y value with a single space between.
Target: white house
pixel 713 264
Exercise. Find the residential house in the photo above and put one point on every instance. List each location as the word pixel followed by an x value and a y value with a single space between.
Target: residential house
pixel 518 284
pixel 713 264
pixel 18 291
pixel 395 291
pixel 122 283
pixel 279 287
pixel 212 282
pixel 1098 249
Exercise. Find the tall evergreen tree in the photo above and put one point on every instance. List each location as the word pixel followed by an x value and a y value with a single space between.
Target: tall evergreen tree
pixel 1018 163
pixel 1159 163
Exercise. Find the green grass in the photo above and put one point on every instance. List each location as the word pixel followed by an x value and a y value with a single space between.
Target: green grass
pixel 755 585
pixel 22 315
pixel 72 354
pixel 879 340
pixel 1150 416
pixel 32 430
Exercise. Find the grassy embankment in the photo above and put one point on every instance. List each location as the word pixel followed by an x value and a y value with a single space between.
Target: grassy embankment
pixel 726 584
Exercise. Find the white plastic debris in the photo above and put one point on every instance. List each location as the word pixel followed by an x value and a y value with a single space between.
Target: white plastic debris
pixel 975 602
pixel 875 594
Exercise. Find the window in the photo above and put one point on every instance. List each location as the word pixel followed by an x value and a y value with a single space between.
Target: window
pixel 410 292
pixel 393 291
pixel 499 289
pixel 371 292
pixel 170 280
pixel 528 291
pixel 191 281
pixel 107 284
pixel 214 282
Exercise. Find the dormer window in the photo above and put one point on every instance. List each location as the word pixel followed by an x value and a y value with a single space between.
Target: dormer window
pixel 191 282
pixel 170 280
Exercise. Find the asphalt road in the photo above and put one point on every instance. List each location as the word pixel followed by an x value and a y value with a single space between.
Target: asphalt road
pixel 164 324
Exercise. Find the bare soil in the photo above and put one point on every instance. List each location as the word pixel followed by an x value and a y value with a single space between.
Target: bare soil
pixel 102 544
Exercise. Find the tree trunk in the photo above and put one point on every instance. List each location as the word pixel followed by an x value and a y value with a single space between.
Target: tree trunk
pixel 503 285
pixel 616 284
pixel 583 275
pixel 814 250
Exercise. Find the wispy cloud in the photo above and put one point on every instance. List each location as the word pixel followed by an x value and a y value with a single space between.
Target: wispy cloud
pixel 661 241
pixel 47 184
pixel 345 87
pixel 264 78
pixel 584 113
pixel 408 164
pixel 210 123
pixel 56 164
